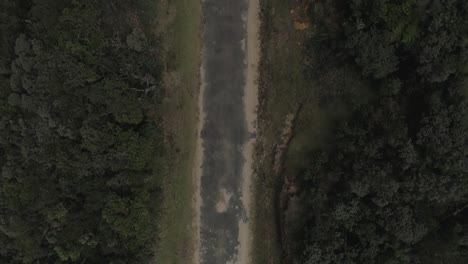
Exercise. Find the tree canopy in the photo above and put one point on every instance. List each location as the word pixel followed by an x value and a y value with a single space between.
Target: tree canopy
pixel 79 131
pixel 391 184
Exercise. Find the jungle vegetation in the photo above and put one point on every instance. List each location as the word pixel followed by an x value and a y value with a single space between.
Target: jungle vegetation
pixel 80 133
pixel 390 185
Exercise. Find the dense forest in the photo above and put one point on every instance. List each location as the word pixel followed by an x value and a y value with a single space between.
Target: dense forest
pixel 80 83
pixel 390 185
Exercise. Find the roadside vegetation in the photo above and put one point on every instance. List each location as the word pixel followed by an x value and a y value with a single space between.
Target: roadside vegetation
pixel 388 180
pixel 86 131
pixel 179 27
pixel 282 89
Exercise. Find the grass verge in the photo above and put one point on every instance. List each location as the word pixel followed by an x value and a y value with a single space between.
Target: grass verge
pixel 281 79
pixel 179 30
pixel 283 86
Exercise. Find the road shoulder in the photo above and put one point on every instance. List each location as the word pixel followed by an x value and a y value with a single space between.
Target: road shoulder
pixel 178 28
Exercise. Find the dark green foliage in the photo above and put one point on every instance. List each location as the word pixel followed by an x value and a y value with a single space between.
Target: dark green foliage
pixel 78 80
pixel 392 184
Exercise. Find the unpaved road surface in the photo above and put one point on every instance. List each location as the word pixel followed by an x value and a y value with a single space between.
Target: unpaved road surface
pixel 228 103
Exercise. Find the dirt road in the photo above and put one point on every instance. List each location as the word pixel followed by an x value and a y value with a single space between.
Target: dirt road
pixel 228 103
